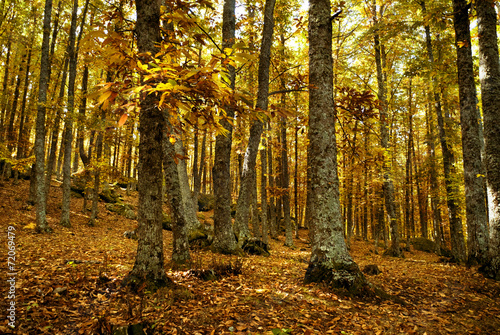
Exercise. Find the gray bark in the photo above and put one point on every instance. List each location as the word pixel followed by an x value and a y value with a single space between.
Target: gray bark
pixel 180 202
pixel 329 255
pixel 249 163
pixel 224 239
pixel 148 267
pixel 68 134
pixel 41 218
pixel 490 93
pixel 187 199
pixel 475 197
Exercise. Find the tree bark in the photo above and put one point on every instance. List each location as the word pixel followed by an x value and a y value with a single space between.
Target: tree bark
pixel 148 267
pixel 41 215
pixel 388 186
pixel 180 202
pixel 68 134
pixel 249 163
pixel 470 120
pixel 188 209
pixel 490 93
pixel 224 239
pixel 330 259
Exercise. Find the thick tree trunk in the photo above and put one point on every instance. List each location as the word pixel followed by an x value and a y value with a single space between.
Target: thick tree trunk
pixel 224 239
pixel 41 218
pixel 249 163
pixel 148 267
pixel 475 197
pixel 330 259
pixel 490 93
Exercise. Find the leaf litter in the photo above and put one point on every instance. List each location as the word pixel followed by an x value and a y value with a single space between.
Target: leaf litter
pixel 68 282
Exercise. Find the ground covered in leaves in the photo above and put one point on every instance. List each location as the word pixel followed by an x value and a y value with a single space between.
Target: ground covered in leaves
pixel 68 282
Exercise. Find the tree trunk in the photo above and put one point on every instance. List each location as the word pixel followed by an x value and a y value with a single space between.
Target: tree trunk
pixel 475 197
pixel 330 259
pixel 21 136
pixel 249 163
pixel 180 202
pixel 148 267
pixel 224 239
pixel 263 192
pixel 490 93
pixel 68 135
pixel 41 218
pixel 188 209
pixel 388 186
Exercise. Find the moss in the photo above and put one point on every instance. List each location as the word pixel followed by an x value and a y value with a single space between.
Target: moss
pixel 345 277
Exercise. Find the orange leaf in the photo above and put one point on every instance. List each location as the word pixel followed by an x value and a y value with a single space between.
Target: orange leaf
pixel 122 120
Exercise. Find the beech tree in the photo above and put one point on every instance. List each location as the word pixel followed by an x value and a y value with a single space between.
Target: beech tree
pixel 490 95
pixel 470 121
pixel 330 260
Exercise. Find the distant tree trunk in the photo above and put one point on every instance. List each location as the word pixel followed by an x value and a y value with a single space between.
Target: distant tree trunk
pixel 475 197
pixel 263 192
pixel 68 135
pixel 176 192
pixel 84 156
pixel 41 218
pixel 148 267
pixel 97 172
pixel 224 240
pixel 5 93
pixel 21 136
pixel 295 183
pixel 200 172
pixel 55 130
pixel 11 137
pixel 188 209
pixel 285 179
pixel 249 163
pixel 330 259
pixel 270 171
pixel 388 187
pixel 490 93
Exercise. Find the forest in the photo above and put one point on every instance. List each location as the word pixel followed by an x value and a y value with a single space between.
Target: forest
pixel 250 167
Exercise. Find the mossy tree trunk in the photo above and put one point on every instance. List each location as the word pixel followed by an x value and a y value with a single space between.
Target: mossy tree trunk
pixel 330 260
pixel 148 267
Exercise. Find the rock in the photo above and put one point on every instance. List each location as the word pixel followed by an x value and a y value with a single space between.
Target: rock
pixel 123 209
pixel 254 246
pixel 371 270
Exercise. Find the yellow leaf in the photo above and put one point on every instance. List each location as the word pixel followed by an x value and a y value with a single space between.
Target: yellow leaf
pixel 172 139
pixel 30 226
pixel 105 96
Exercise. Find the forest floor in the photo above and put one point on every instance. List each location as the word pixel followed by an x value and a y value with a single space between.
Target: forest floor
pixel 68 282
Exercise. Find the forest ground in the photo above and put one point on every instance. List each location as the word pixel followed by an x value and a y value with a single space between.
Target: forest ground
pixel 68 282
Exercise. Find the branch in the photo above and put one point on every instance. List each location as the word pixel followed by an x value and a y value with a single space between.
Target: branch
pixel 301 89
pixel 335 15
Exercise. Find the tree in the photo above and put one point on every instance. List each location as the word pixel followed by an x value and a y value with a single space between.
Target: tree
pixel 41 219
pixel 490 95
pixel 249 162
pixel 148 267
pixel 330 260
pixel 470 121
pixel 388 186
pixel 224 240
